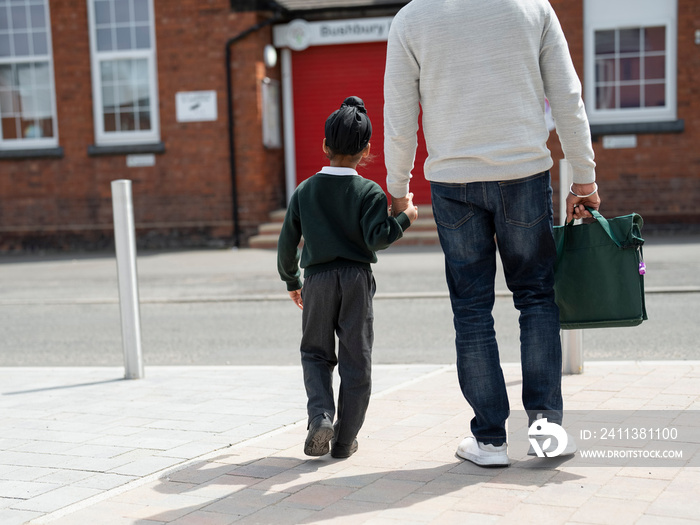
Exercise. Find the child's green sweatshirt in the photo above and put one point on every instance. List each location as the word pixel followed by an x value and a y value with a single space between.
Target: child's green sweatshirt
pixel 343 219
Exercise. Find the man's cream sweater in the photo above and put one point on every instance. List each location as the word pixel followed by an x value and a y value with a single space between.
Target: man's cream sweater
pixel 480 70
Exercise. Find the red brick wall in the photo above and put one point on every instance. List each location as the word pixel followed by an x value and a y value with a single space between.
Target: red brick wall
pixel 186 197
pixel 660 178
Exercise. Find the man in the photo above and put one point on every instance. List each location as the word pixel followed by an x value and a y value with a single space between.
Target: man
pixel 480 71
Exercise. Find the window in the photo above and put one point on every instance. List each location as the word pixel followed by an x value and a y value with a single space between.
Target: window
pixel 122 40
pixel 630 68
pixel 630 61
pixel 27 98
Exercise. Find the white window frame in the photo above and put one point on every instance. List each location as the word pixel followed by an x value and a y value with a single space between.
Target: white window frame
pixel 132 137
pixel 602 15
pixel 38 142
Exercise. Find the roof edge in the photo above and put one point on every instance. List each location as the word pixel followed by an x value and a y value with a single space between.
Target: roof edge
pixel 317 13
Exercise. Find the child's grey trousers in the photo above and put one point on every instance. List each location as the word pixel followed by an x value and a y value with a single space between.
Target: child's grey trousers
pixel 338 302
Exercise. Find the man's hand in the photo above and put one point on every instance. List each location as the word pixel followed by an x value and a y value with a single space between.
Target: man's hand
pixel 399 205
pixel 296 297
pixel 576 206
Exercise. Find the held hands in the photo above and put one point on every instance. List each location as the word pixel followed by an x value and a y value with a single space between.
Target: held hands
pixel 404 204
pixel 411 210
pixel 296 297
pixel 580 196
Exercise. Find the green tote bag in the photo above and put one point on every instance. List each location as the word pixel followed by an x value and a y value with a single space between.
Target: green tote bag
pixel 599 272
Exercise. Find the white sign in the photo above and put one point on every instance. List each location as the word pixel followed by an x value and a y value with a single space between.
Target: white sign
pixel 619 141
pixel 300 34
pixel 271 118
pixel 195 106
pixel 140 161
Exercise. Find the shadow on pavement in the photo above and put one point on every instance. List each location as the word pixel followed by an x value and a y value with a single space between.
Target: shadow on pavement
pixel 278 489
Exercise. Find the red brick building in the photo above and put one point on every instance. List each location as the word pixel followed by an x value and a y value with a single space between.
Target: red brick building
pixel 175 96
pixel 110 75
pixel 639 61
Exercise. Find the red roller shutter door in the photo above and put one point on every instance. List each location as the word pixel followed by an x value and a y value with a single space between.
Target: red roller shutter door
pixel 322 77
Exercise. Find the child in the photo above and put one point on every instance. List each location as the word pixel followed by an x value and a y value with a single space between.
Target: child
pixel 344 220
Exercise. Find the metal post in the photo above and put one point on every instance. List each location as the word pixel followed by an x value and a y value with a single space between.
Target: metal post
pixel 571 340
pixel 125 243
pixel 572 351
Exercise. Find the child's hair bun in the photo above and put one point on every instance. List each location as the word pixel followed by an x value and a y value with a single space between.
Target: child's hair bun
pixel 356 102
pixel 348 129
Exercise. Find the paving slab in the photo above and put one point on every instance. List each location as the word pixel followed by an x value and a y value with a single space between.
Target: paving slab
pixel 405 470
pixel 70 434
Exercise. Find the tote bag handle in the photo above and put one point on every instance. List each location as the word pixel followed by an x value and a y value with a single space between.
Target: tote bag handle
pixel 603 223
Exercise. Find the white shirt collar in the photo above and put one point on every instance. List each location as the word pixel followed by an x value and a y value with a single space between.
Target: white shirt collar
pixel 331 170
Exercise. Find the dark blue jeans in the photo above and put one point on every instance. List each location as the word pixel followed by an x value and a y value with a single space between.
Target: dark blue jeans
pixel 472 219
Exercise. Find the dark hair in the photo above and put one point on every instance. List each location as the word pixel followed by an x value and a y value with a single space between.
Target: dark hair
pixel 348 129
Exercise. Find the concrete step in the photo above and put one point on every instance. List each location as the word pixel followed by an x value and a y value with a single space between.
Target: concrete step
pixel 422 232
pixel 278 215
pixel 419 225
pixel 425 211
pixel 263 242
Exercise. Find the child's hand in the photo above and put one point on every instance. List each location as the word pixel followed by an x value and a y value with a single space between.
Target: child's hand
pixel 296 297
pixel 412 210
pixel 398 205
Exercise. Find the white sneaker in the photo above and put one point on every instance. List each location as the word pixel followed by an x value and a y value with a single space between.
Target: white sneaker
pixel 482 454
pixel 569 450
